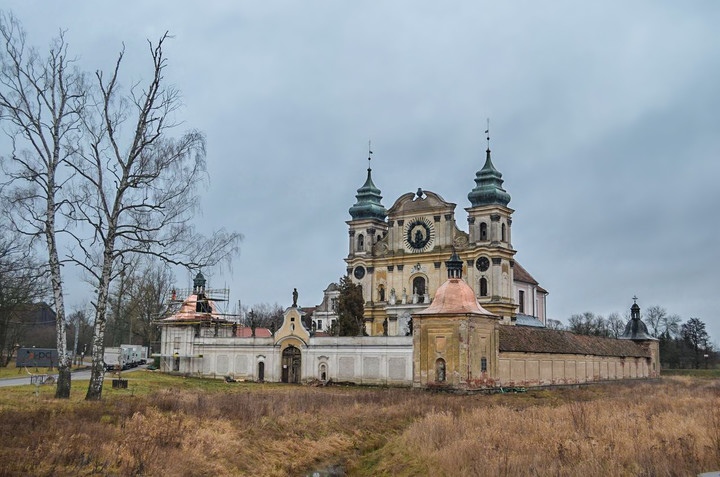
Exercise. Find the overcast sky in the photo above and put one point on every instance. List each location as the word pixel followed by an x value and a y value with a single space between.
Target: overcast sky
pixel 604 120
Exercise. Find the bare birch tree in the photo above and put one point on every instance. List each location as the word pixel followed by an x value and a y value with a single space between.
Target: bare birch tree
pixel 41 103
pixel 138 189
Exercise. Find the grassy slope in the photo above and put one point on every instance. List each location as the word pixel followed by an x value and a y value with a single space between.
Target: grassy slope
pixel 166 425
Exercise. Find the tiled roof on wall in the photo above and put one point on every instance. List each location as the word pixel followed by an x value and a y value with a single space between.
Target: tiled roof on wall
pixel 535 340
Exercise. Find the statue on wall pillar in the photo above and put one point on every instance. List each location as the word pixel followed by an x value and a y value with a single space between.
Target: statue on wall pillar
pixel 295 297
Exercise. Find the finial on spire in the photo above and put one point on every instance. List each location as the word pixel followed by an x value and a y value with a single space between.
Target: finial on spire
pixel 487 132
pixel 369 152
pixel 635 298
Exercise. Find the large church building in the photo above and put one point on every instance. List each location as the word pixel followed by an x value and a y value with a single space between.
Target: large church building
pixel 398 255
pixel 442 308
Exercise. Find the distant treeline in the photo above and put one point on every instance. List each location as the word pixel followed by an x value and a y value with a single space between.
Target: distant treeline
pixel 682 344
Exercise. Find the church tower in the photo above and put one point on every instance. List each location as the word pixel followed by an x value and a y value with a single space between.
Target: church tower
pixel 490 220
pixel 367 227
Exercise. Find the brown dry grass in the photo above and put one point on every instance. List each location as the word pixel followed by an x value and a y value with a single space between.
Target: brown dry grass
pixel 668 427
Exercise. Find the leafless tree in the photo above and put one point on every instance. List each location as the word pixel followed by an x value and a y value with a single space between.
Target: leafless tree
pixel 616 325
pixel 79 322
pixel 138 189
pixel 588 324
pixel 147 298
pixel 655 317
pixel 554 324
pixel 41 103
pixel 21 284
pixel 671 325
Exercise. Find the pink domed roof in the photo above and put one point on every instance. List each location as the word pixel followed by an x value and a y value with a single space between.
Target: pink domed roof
pixel 454 297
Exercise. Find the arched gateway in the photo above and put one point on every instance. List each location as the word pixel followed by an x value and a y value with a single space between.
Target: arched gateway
pixel 291 360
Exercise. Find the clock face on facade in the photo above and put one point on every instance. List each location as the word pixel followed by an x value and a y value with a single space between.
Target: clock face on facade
pixel 359 272
pixel 482 264
pixel 419 235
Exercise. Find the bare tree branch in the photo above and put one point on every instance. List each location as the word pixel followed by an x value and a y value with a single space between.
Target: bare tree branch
pixel 42 100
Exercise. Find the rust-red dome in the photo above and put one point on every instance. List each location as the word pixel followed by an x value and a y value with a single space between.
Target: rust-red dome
pixel 454 297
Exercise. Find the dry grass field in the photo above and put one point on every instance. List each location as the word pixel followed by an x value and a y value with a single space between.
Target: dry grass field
pixel 167 425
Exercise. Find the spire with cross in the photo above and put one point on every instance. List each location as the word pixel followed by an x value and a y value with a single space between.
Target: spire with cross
pixel 369 153
pixel 487 133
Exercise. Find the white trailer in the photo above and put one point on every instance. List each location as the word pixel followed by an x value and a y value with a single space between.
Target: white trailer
pixel 125 356
pixel 137 354
pixel 116 358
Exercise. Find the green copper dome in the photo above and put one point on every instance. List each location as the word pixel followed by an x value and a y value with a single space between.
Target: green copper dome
pixel 488 190
pixel 368 204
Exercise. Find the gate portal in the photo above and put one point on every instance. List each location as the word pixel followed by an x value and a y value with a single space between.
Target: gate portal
pixel 291 361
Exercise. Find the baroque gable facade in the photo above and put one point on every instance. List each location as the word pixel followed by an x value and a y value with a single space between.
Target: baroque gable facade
pixel 397 255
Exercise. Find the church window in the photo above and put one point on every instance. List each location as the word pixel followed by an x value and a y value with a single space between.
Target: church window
pixel 323 372
pixel 503 232
pixel 360 243
pixel 440 370
pixel 319 325
pixel 521 301
pixel 419 288
pixel 377 239
pixel 483 365
pixel 483 287
pixel 483 231
pixel 381 293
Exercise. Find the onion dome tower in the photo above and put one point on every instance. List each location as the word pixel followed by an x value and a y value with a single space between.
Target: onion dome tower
pixel 635 328
pixel 488 189
pixel 368 205
pixel 490 220
pixel 366 227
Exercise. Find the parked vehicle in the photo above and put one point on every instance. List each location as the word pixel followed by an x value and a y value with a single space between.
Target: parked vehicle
pixel 122 357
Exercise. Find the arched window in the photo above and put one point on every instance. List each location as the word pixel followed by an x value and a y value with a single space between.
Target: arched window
pixel 360 243
pixel 381 293
pixel 377 239
pixel 323 372
pixel 483 287
pixel 419 288
pixel 483 231
pixel 503 232
pixel 261 371
pixel 440 370
pixel 521 300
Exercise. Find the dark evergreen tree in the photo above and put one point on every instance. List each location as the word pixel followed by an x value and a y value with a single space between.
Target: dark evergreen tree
pixel 350 308
pixel 696 337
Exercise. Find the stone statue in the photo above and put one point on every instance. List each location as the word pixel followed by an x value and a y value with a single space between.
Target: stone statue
pixel 404 296
pixel 393 297
pixel 295 297
pixel 385 327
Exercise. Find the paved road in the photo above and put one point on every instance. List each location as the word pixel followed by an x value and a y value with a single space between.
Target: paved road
pixel 76 376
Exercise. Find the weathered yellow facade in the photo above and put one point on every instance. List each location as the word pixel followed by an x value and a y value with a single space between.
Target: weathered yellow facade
pixel 397 255
pixel 457 343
